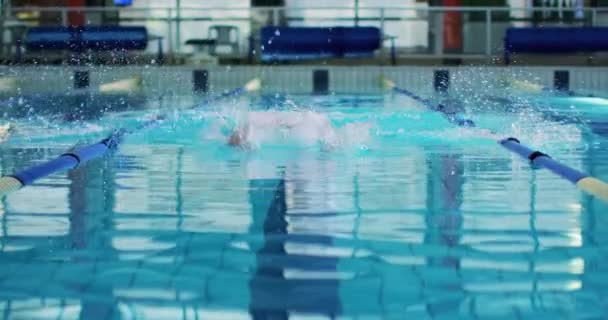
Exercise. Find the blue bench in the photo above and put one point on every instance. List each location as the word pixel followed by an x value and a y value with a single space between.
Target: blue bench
pixel 555 40
pixel 82 39
pixel 300 43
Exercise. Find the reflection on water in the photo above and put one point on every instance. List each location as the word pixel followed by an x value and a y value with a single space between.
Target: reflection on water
pixel 410 229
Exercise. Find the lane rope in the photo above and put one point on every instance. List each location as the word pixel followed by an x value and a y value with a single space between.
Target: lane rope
pixel 80 156
pixel 583 181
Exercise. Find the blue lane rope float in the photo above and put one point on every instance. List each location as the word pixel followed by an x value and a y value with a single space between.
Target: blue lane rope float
pixel 582 180
pixel 453 117
pixel 80 156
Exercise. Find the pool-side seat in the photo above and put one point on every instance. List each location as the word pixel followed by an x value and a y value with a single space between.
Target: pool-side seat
pixel 301 43
pixel 555 40
pixel 85 38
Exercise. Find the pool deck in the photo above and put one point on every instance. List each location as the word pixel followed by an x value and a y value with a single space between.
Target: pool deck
pixel 411 59
pixel 383 58
pixel 186 80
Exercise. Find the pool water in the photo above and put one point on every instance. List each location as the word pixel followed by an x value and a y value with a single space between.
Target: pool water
pixel 408 217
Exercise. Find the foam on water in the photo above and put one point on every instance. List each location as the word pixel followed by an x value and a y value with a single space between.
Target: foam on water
pixel 400 122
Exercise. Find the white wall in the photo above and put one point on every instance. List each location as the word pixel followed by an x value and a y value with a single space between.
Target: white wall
pixel 192 3
pixel 411 31
pixel 194 29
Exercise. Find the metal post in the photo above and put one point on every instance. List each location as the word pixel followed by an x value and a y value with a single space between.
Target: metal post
pixel 439 31
pixel 393 52
pixel 382 21
pixel 64 17
pixel 488 35
pixel 3 17
pixel 275 16
pixel 356 13
pixel 593 16
pixel 160 58
pixel 170 30
pixel 178 15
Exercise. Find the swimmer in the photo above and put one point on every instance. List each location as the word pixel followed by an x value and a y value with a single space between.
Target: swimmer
pixel 450 106
pixel 453 109
pixel 307 126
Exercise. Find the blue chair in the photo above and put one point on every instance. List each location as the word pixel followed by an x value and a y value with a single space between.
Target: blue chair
pixel 108 38
pixel 555 40
pixel 81 39
pixel 300 43
pixel 49 38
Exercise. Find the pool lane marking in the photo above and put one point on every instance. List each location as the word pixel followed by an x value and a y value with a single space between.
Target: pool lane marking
pixel 268 198
pixel 583 181
pixel 268 209
pixel 80 156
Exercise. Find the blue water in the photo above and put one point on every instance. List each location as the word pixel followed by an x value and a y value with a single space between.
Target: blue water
pixel 409 218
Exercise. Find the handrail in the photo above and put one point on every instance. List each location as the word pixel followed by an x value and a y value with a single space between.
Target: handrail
pixel 415 8
pixel 582 180
pixel 80 156
pixel 173 17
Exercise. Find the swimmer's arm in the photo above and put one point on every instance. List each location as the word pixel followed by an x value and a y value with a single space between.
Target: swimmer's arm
pixel 288 122
pixel 5 131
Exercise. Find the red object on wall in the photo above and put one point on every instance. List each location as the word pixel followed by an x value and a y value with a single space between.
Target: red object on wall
pixel 76 18
pixel 452 27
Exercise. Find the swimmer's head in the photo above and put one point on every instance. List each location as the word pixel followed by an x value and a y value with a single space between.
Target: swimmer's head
pixel 235 139
pixel 466 123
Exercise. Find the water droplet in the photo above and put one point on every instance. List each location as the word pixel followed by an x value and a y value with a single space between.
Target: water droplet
pixel 277 32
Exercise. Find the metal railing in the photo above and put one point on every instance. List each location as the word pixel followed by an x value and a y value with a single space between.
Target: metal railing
pixel 421 30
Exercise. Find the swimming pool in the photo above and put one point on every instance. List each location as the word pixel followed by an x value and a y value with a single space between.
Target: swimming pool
pixel 412 217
